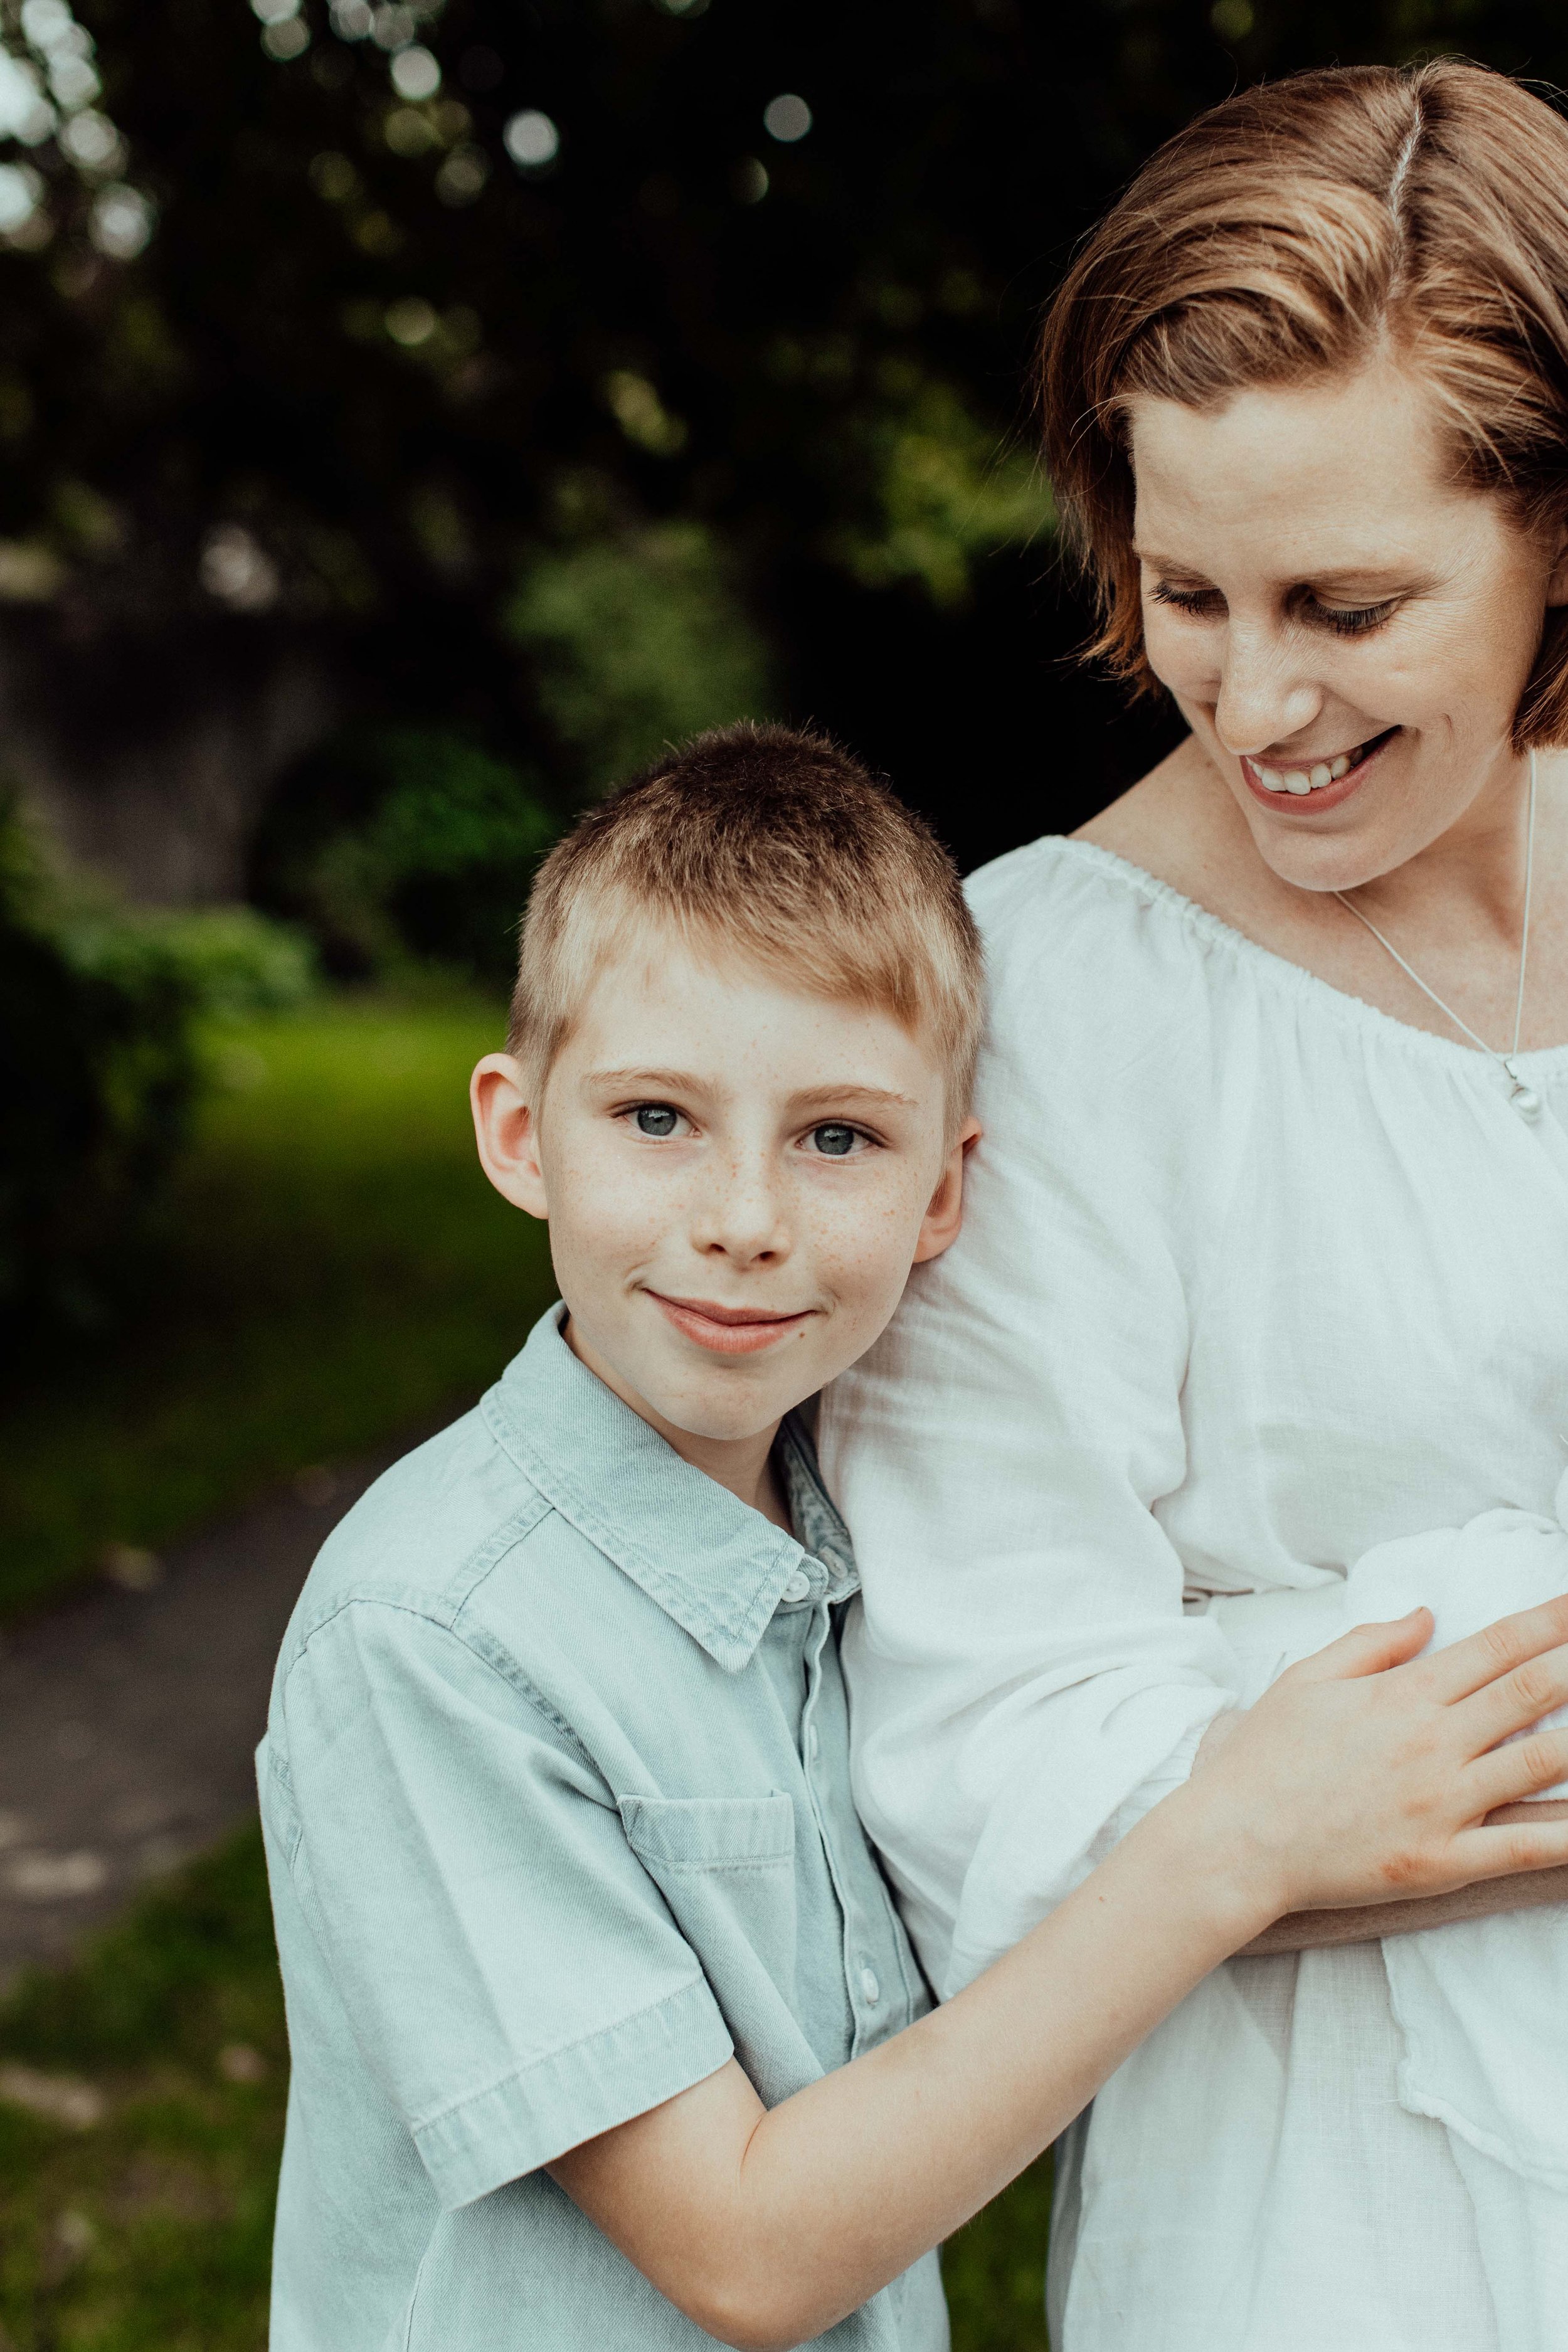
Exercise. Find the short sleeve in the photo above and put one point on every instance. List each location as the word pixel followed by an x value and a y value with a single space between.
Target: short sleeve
pixel 510 1969
pixel 1023 1681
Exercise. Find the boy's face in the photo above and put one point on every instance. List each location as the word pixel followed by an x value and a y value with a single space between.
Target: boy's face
pixel 738 1178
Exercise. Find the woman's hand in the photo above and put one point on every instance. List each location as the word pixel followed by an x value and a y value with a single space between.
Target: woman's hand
pixel 1367 1773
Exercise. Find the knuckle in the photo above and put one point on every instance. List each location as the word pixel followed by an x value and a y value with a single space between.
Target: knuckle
pixel 1533 1686
pixel 1498 1644
pixel 1541 1757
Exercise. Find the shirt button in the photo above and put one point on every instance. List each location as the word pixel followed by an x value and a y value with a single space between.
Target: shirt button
pixel 870 1987
pixel 797 1586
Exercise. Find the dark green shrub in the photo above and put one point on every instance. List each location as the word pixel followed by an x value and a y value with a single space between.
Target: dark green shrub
pixel 99 1071
pixel 101 1066
pixel 404 846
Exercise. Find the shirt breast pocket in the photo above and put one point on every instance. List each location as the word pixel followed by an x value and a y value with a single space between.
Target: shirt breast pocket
pixel 726 1867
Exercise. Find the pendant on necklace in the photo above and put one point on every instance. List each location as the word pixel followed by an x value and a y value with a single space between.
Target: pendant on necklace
pixel 1525 1099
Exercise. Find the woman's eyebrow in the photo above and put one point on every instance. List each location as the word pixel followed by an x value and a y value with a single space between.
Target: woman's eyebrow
pixel 1382 578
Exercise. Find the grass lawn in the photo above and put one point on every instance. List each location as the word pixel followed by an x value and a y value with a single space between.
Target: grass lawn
pixel 148 2230
pixel 335 1270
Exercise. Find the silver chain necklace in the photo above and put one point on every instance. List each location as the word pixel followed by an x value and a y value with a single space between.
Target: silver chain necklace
pixel 1524 1097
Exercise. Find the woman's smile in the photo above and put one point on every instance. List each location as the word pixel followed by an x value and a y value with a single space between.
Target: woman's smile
pixel 1306 787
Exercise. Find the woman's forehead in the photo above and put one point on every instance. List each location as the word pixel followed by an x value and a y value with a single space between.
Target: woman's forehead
pixel 1345 472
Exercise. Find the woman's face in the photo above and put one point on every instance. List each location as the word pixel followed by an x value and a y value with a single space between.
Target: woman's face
pixel 1346 631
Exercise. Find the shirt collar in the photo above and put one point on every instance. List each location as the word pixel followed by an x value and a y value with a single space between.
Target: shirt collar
pixel 716 1566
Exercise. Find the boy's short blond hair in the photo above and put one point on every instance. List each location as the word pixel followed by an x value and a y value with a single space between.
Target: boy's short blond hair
pixel 775 845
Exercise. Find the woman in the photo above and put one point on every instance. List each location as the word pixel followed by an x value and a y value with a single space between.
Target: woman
pixel 1266 1255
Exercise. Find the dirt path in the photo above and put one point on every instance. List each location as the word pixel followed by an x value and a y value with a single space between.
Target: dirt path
pixel 127 1718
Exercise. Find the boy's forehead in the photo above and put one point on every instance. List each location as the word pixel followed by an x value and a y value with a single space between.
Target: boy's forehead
pixel 656 987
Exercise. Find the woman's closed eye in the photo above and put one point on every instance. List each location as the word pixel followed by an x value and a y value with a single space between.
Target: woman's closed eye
pixel 1344 620
pixel 659 1122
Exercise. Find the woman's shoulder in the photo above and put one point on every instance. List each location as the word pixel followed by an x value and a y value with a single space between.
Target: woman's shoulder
pixel 1065 912
pixel 1125 907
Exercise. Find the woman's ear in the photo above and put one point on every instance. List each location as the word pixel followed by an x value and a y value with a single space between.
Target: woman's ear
pixel 944 1215
pixel 506 1128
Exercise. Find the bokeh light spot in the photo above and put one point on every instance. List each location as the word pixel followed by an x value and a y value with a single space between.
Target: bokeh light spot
pixel 120 221
pixel 749 181
pixel 236 569
pixel 410 320
pixel 72 81
pixel 531 139
pixel 24 113
pixel 1232 19
pixel 20 189
pixel 463 176
pixel 333 176
pixel 274 12
pixel 352 19
pixel 415 74
pixel 407 131
pixel 786 118
pixel 46 22
pixel 289 40
pixel 91 142
pixel 393 27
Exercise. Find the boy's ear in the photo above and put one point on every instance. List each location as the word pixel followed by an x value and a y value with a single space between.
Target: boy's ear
pixel 943 1216
pixel 507 1132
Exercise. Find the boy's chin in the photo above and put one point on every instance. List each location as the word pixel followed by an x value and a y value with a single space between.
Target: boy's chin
pixel 727 1419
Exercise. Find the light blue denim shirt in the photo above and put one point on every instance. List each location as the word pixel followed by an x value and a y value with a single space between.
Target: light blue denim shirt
pixel 556 1793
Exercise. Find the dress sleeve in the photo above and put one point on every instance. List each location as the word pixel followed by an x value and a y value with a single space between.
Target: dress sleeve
pixel 1024 1682
pixel 508 1968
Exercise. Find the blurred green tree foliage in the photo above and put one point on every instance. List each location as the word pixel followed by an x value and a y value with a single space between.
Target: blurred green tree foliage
pixel 639 639
pixel 770 270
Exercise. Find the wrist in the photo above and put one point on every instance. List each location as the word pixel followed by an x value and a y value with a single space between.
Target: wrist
pixel 1227 1887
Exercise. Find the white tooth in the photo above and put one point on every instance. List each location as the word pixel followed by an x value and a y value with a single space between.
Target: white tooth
pixel 1295 782
pixel 1320 775
pixel 1339 767
pixel 1270 779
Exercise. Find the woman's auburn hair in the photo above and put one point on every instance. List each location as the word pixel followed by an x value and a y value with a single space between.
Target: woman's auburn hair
pixel 1299 230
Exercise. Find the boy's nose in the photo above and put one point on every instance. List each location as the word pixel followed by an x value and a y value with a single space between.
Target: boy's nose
pixel 740 1216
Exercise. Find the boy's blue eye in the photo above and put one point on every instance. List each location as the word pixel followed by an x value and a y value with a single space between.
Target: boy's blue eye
pixel 655 1118
pixel 833 1140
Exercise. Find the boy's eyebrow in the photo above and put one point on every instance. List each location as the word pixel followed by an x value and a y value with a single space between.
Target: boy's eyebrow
pixel 677 1081
pixel 847 1096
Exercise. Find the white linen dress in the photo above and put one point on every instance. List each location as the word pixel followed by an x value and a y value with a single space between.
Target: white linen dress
pixel 1252 1278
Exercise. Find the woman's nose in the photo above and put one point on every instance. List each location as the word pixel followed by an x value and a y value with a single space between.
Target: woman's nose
pixel 1262 699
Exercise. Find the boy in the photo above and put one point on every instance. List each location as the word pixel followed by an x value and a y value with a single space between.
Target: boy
pixel 605 2033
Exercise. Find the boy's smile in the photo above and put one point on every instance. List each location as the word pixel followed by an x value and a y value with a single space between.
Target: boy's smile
pixel 738 1178
pixel 728 1330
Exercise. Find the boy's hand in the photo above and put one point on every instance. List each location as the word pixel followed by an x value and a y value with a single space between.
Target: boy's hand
pixel 1366 1772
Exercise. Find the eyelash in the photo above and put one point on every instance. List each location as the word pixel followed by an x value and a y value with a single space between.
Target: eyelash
pixel 1356 620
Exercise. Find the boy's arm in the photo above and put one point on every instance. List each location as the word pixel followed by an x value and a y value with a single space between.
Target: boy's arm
pixel 767 2227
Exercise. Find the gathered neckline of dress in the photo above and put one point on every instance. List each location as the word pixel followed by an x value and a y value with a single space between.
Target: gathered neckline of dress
pixel 1353 1012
